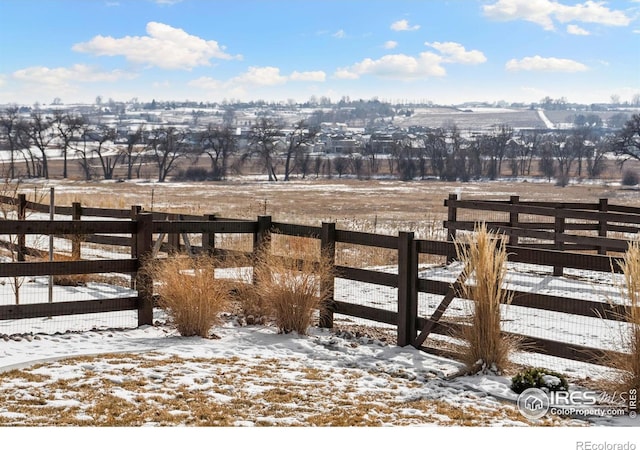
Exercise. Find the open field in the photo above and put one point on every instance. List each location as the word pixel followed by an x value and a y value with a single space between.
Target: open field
pixel 372 205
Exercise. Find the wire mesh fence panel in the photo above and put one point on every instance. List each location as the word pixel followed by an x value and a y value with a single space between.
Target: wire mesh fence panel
pixel 543 306
pixel 233 241
pixel 379 298
pixel 365 256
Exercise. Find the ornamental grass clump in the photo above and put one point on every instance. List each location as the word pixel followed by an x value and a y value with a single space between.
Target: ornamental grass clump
pixel 484 258
pixel 293 287
pixel 628 363
pixel 190 293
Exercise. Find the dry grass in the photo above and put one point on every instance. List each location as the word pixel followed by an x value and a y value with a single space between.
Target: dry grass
pixel 292 287
pixel 118 390
pixel 189 291
pixel 629 364
pixel 484 257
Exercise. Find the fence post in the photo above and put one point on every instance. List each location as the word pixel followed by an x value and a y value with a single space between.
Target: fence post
pixel 603 206
pixel 76 240
pixel 407 288
pixel 559 229
pixel 144 283
pixel 264 226
pixel 452 216
pixel 173 239
pixel 22 215
pixel 135 210
pixel 209 239
pixel 328 250
pixel 514 219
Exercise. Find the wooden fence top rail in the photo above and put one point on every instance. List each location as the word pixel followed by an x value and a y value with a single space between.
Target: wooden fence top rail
pixel 204 226
pixel 32 269
pixel 595 241
pixel 291 229
pixel 544 211
pixel 369 239
pixel 49 227
pixel 565 205
pixel 543 257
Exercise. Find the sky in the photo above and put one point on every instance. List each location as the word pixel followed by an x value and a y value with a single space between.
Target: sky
pixel 446 52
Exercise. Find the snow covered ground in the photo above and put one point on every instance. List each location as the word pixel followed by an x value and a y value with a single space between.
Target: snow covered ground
pixel 50 376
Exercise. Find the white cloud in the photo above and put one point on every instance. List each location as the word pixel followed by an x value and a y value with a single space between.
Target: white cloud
pixel 403 25
pixel 591 12
pixel 261 76
pixel 340 34
pixel 317 75
pixel 398 66
pixel 543 12
pixel 63 76
pixel 575 29
pixel 206 83
pixel 455 53
pixel 345 74
pixel 165 47
pixel 161 84
pixel 390 45
pixel 540 64
pixel 256 77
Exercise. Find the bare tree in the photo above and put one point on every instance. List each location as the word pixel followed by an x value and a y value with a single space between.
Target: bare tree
pixel 530 147
pixel 435 146
pixel 263 139
pixel 496 148
pixel 133 152
pixel 68 128
pixel 108 157
pixel 297 141
pixel 546 163
pixel 341 165
pixel 627 141
pixel 565 155
pixel 40 132
pixel 596 157
pixel 9 126
pixel 83 151
pixel 169 145
pixel 220 144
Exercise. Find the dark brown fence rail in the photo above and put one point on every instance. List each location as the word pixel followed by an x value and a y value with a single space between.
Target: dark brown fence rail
pixel 569 227
pixel 139 228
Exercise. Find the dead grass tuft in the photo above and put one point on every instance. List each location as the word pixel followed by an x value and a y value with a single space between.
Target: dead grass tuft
pixel 189 292
pixel 292 287
pixel 628 364
pixel 484 257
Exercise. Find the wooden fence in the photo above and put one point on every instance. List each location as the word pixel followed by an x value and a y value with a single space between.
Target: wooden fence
pixel 139 230
pixel 575 227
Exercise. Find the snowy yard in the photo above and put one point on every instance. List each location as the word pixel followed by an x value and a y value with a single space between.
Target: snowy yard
pixel 252 376
pixel 105 371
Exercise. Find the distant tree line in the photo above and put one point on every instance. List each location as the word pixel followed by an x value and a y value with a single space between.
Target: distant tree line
pixel 107 150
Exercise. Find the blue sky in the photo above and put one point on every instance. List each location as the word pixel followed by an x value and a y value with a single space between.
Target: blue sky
pixel 210 50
